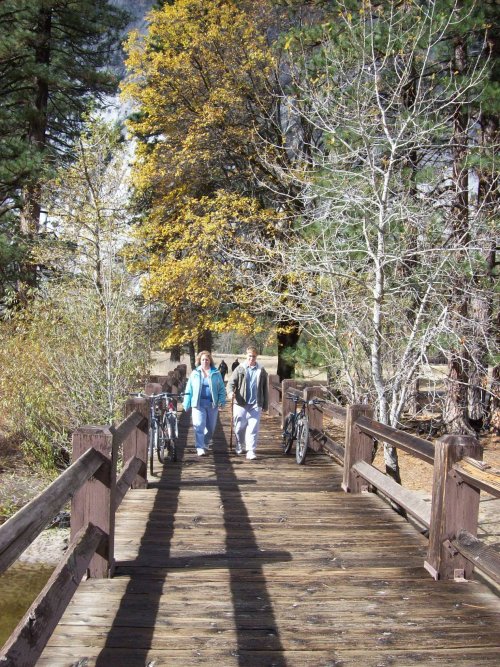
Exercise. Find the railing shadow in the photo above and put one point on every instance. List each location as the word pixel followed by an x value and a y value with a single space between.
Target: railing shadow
pixel 167 483
pixel 251 602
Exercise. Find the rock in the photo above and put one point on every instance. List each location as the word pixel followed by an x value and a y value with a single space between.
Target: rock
pixel 48 548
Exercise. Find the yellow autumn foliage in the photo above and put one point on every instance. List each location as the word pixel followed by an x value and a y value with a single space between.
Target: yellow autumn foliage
pixel 199 81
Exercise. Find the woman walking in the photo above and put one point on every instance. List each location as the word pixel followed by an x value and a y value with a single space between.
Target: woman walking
pixel 205 394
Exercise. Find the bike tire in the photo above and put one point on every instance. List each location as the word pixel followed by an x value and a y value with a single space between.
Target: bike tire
pixel 302 440
pixel 152 439
pixel 288 433
pixel 162 442
pixel 172 450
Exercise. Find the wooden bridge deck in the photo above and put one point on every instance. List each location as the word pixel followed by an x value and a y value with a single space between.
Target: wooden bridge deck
pixel 257 563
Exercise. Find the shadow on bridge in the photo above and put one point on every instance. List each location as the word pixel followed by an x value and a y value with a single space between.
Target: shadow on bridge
pixel 242 558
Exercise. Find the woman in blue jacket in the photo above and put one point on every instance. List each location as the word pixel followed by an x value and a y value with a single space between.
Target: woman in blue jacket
pixel 205 394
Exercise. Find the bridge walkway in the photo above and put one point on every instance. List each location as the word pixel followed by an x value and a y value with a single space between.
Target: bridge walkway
pixel 227 562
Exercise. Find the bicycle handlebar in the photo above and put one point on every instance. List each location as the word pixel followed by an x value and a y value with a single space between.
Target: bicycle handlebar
pixel 163 394
pixel 311 401
pixel 294 398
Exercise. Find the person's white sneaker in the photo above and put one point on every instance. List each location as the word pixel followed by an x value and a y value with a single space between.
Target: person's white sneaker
pixel 200 451
pixel 238 450
pixel 251 456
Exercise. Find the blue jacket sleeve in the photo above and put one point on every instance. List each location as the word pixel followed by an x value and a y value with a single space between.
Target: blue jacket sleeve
pixel 188 394
pixel 221 391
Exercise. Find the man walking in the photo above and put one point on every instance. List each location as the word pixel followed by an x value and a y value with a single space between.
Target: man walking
pixel 223 369
pixel 249 385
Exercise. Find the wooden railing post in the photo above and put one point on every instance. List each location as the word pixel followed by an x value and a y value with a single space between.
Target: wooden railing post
pixel 136 443
pixel 455 506
pixel 152 388
pixel 172 383
pixel 314 416
pixel 358 447
pixel 274 395
pixel 160 379
pixel 94 502
pixel 182 370
pixel 286 403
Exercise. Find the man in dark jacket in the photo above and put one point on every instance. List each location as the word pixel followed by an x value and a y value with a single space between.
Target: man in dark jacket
pixel 223 369
pixel 249 387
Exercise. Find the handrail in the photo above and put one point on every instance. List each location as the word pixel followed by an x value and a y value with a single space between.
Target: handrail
pixel 458 476
pixel 22 528
pixel 29 638
pixel 125 427
pixel 412 444
pixel 335 449
pixel 480 475
pixel 90 481
pixel 295 391
pixel 125 480
pixel 334 410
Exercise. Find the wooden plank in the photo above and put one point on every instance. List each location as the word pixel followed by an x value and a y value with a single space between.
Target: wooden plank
pixel 267 634
pixel 405 498
pixel 480 475
pixel 455 507
pixel 335 449
pixel 135 444
pixel 418 447
pixel 94 502
pixel 358 446
pixel 194 656
pixel 335 411
pixel 482 555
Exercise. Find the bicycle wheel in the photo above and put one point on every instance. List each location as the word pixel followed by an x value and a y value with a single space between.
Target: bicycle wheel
pixel 160 445
pixel 152 440
pixel 302 439
pixel 172 450
pixel 288 433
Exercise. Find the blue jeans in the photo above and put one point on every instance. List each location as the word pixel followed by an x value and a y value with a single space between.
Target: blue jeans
pixel 204 422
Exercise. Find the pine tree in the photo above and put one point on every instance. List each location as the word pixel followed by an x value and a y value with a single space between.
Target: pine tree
pixel 53 58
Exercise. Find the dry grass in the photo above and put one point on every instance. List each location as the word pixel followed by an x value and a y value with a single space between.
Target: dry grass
pixel 19 482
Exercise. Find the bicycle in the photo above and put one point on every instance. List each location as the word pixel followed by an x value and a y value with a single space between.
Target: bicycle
pixel 169 429
pixel 163 426
pixel 296 427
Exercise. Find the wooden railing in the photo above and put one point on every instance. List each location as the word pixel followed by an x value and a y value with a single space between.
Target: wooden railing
pixel 95 491
pixel 459 475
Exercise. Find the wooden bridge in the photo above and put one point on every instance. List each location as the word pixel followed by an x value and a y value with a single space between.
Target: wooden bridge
pixel 223 561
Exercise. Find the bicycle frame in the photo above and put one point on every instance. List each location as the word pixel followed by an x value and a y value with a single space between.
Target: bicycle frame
pixel 170 420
